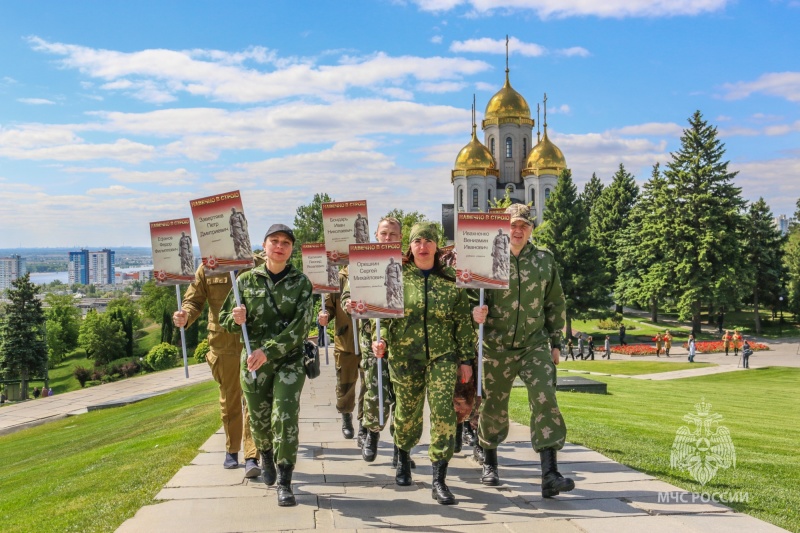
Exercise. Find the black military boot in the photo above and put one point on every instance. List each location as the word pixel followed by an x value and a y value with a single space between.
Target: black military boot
pixel 347 425
pixel 478 454
pixel 403 474
pixel 370 448
pixel 268 467
pixel 490 476
pixel 439 490
pixel 459 438
pixel 552 481
pixel 470 438
pixel 285 494
pixel 362 434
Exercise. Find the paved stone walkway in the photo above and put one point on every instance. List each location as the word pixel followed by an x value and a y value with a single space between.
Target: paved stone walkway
pixel 337 491
pixel 20 415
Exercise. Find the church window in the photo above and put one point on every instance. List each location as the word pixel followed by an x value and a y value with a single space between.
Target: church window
pixel 461 198
pixel 533 197
pixel 475 198
pixel 491 142
pixel 508 147
pixel 546 194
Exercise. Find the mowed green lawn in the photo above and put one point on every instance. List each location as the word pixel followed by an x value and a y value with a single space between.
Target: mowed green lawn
pixel 635 424
pixel 92 472
pixel 629 368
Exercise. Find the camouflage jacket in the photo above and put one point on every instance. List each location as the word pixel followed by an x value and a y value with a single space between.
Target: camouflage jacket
pixel 343 322
pixel 532 310
pixel 437 319
pixel 265 325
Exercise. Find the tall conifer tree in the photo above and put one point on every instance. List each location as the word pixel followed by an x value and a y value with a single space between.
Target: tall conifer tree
pixel 591 192
pixel 23 353
pixel 705 223
pixel 642 264
pixel 763 254
pixel 609 217
pixel 584 280
pixel 791 264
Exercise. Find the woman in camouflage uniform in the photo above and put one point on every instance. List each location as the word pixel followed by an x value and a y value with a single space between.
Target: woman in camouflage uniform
pixel 277 308
pixel 428 349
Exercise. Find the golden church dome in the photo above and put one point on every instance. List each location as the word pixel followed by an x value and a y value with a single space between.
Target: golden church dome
pixel 545 158
pixel 507 105
pixel 474 160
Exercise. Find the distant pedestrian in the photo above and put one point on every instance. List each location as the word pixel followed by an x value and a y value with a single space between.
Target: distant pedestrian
pixel 726 341
pixel 667 342
pixel 607 347
pixel 50 391
pixel 45 394
pixel 659 340
pixel 36 392
pixel 720 319
pixel 622 335
pixel 692 348
pixel 570 349
pixel 737 342
pixel 747 351
pixel 590 354
pixel 580 346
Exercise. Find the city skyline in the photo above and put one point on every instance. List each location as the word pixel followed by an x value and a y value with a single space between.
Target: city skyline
pixel 113 116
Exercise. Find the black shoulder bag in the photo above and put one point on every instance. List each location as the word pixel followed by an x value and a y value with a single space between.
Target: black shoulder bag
pixel 310 350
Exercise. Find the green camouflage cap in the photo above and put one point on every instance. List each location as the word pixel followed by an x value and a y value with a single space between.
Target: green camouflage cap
pixel 520 212
pixel 426 230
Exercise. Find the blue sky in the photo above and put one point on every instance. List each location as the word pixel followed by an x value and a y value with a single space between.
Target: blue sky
pixel 115 114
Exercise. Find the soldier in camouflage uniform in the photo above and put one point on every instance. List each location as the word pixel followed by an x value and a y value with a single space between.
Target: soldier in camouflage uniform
pixel 224 350
pixel 522 337
pixel 348 372
pixel 428 349
pixel 277 308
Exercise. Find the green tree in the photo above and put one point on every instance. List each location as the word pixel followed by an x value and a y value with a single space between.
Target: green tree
pixel 791 263
pixel 706 222
pixel 102 337
pixel 308 226
pixel 63 326
pixel 609 217
pixel 642 267
pixel 763 255
pixel 156 301
pixel 24 343
pixel 591 192
pixel 583 278
pixel 125 311
pixel 407 221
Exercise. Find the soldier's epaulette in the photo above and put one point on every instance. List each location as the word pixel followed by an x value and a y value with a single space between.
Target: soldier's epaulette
pixel 540 250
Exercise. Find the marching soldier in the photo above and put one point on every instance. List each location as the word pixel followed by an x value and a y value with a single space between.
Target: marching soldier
pixel 522 337
pixel 667 342
pixel 659 340
pixel 277 308
pixel 726 341
pixel 429 348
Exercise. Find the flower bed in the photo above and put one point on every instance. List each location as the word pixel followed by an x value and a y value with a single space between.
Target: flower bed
pixel 719 347
pixel 634 349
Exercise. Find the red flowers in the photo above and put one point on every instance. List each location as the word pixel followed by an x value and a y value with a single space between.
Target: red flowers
pixel 718 346
pixel 634 349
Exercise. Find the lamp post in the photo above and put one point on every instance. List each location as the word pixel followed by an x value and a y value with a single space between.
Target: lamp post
pixel 780 320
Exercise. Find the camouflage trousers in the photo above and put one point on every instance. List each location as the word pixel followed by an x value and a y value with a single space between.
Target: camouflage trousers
pixel 273 399
pixel 411 378
pixel 224 366
pixel 535 368
pixel 371 403
pixel 348 374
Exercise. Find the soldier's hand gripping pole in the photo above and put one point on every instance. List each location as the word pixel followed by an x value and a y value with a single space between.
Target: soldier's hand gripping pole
pixel 244 326
pixel 321 336
pixel 479 387
pixel 183 334
pixel 380 375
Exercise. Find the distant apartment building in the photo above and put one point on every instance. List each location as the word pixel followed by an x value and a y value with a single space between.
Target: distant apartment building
pixel 11 268
pixel 91 268
pixel 782 223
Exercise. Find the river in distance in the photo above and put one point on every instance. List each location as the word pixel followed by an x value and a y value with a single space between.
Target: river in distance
pixel 43 278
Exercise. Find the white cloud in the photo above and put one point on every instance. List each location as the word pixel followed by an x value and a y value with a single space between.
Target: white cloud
pixel 113 190
pixel 484 86
pixel 487 45
pixel 782 129
pixel 563 109
pixel 35 101
pixel 781 84
pixel 578 8
pixel 436 39
pixel 158 75
pixel 121 150
pixel 658 129
pixel 441 87
pixel 773 179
